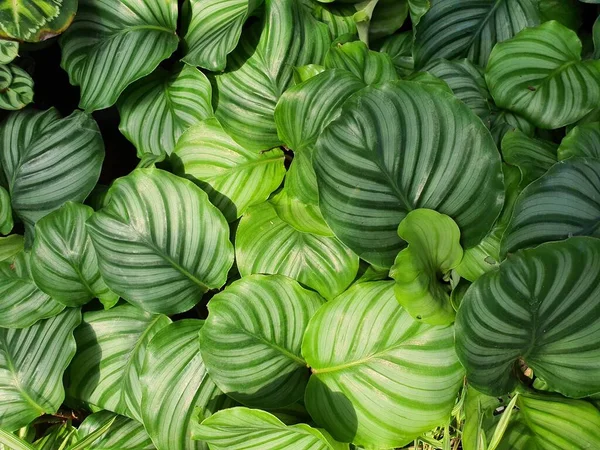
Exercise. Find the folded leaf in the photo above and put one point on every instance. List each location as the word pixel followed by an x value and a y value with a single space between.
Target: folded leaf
pixel 532 156
pixel 10 246
pixel 355 57
pixel 582 140
pixel 123 434
pixel 399 47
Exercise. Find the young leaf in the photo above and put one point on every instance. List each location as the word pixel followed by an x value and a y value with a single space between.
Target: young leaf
pixel 532 156
pixel 582 140
pixel 16 87
pixel 9 50
pixel 123 433
pixel 368 66
pixel 10 246
pixel 57 437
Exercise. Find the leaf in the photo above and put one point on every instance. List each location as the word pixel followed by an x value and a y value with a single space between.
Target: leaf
pixel 6 218
pixel 109 46
pixel 267 244
pixel 378 386
pixel 454 29
pixel 157 109
pixel 532 156
pixel 124 433
pixel 596 38
pixel 261 69
pixel 149 252
pixel 234 177
pixel 502 121
pixel 567 12
pixel 251 340
pixel 19 20
pixel 559 205
pixel 49 161
pixel 176 389
pixel 32 362
pixel 304 73
pixel 243 428
pixel 338 17
pixel 64 263
pixel 370 179
pixel 582 140
pixel 540 308
pixel 421 269
pixel 16 87
pixel 214 31
pixel 399 47
pixel 57 437
pixel 547 84
pixel 94 436
pixel 368 66
pixel 13 442
pixel 111 346
pixel 10 246
pixel 388 17
pixel 9 50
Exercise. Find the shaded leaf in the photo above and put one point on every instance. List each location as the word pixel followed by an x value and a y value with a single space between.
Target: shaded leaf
pixel 355 57
pixel 16 87
pixel 124 433
pixel 582 140
pixel 532 156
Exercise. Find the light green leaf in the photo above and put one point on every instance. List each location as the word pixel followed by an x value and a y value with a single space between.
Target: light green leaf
pixel 355 57
pixel 399 47
pixel 547 83
pixel 63 262
pixel 455 29
pixel 364 13
pixel 111 346
pixel 532 156
pixel 6 218
pixel 338 17
pixel 157 109
pixel 369 181
pixel 149 252
pixel 110 45
pixel 23 303
pixel 9 50
pixel 304 73
pixel 124 433
pixel 251 340
pixel 561 204
pixel 176 389
pixel 267 244
pixel 215 30
pixel 431 81
pixel 32 362
pixel 48 160
pixel 480 419
pixel 57 437
pixel 10 246
pixel 11 441
pixel 234 177
pixel 16 87
pixel 422 269
pixel 19 20
pixel 539 308
pixel 583 140
pixel 262 68
pixel 243 429
pixel 378 386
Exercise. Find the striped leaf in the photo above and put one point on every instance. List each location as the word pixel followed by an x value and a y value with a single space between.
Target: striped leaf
pixel 502 121
pixel 304 73
pixel 431 81
pixel 149 252
pixel 262 67
pixel 6 218
pixel 49 161
pixel 19 20
pixel 582 140
pixel 369 181
pixel 540 308
pixel 251 340
pixel 399 47
pixel 455 29
pixel 16 87
pixel 234 177
pixel 243 429
pixel 123 434
pixel 156 110
pixel 532 156
pixel 32 362
pixel 378 386
pixel 64 263
pixel 110 45
pixel 338 17
pixel 267 244
pixel 111 346
pixel 10 246
pixel 561 204
pixel 176 389
pixel 539 74
pixel 23 303
pixel 9 50
pixel 57 437
pixel 368 66
pixel 214 31
pixel 422 270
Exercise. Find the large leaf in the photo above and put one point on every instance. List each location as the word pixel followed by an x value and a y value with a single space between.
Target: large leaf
pixel 454 29
pixel 64 263
pixel 234 177
pixel 378 386
pixel 540 308
pixel 355 57
pixel 123 434
pixel 262 67
pixel 532 156
pixel 32 362
pixel 16 87
pixel 9 50
pixel 267 244
pixel 176 389
pixel 112 44
pixel 48 160
pixel 157 109
pixel 244 429
pixel 582 140
pixel 150 252
pixel 561 204
pixel 215 30
pixel 539 74
pixel 111 346
pixel 370 179
pixel 251 340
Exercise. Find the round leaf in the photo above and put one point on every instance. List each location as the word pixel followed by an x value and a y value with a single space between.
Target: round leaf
pixel 123 434
pixel 20 19
pixel 582 140
pixel 9 50
pixel 16 87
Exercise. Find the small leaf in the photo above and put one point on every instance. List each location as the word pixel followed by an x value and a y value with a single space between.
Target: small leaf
pixel 582 140
pixel 368 66
pixel 9 50
pixel 10 246
pixel 14 442
pixel 16 87
pixel 399 47
pixel 532 156
pixel 123 433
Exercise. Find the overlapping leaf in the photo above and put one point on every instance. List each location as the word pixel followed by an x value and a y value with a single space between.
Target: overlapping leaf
pixel 399 47
pixel 8 51
pixel 16 87
pixel 532 156
pixel 355 57
pixel 123 434
pixel 582 140
pixel 6 218
pixel 10 246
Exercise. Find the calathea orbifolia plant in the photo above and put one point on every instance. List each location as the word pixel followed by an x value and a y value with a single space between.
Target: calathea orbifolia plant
pixel 352 225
